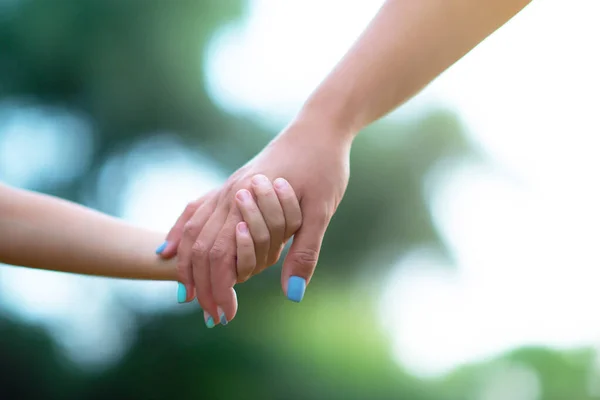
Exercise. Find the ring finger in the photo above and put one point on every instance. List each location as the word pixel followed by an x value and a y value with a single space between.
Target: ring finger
pixel 256 225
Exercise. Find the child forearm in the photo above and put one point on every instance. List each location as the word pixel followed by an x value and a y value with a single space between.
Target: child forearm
pixel 40 231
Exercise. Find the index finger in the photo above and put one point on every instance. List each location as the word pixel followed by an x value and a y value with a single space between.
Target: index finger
pixel 290 205
pixel 223 271
pixel 190 231
pixel 169 248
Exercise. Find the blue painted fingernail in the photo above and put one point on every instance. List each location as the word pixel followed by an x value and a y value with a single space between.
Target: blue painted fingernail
pixel 181 293
pixel 222 317
pixel 296 288
pixel 162 247
pixel 208 320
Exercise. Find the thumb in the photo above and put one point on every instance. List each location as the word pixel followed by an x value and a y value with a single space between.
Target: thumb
pixel 301 261
pixel 168 249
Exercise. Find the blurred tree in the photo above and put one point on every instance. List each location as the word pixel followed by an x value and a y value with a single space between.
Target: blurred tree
pixel 385 211
pixel 136 67
pixel 133 67
pixel 556 375
pixel 32 367
pixel 174 358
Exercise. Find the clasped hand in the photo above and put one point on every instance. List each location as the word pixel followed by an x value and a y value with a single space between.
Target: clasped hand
pixel 291 188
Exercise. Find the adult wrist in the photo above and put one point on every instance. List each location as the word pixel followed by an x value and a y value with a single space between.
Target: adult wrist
pixel 326 122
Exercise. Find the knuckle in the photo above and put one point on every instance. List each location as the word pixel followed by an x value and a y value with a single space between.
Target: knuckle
pixel 262 239
pixel 295 224
pixel 190 229
pixel 278 225
pixel 217 252
pixel 305 259
pixel 199 249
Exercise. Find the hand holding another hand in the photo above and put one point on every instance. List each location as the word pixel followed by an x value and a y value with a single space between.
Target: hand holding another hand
pixel 210 239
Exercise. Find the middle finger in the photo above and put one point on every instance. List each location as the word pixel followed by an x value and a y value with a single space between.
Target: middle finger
pixel 256 224
pixel 201 263
pixel 272 213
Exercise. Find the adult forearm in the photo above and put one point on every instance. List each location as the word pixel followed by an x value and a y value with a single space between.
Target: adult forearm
pixel 405 47
pixel 43 232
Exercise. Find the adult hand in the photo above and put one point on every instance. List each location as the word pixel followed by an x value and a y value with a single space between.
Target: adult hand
pixel 268 216
pixel 315 162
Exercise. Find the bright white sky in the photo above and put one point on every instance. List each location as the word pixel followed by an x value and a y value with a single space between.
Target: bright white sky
pixel 528 95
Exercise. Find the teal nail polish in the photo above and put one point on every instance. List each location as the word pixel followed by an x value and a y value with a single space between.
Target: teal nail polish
pixel 162 247
pixel 222 317
pixel 181 293
pixel 296 288
pixel 210 322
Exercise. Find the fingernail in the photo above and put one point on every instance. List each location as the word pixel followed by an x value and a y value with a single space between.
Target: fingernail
pixel 243 227
pixel 181 293
pixel 296 288
pixel 162 247
pixel 243 195
pixel 280 183
pixel 259 179
pixel 208 320
pixel 222 317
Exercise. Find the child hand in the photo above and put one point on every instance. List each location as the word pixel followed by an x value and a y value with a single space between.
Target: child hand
pixel 271 214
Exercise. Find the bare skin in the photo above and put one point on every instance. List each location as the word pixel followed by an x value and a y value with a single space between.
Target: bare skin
pixel 405 47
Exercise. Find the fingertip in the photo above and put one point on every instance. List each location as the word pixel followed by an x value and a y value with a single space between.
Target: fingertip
pixel 295 288
pixel 209 320
pixel 160 249
pixel 242 228
pixel 281 184
pixel 227 310
pixel 222 317
pixel 185 293
pixel 190 293
pixel 259 179
pixel 181 293
pixel 169 251
pixel 243 195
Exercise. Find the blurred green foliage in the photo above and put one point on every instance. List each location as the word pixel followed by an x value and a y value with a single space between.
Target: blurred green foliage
pixel 134 67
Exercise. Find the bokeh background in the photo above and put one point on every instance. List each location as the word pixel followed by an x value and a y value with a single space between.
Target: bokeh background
pixel 462 263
